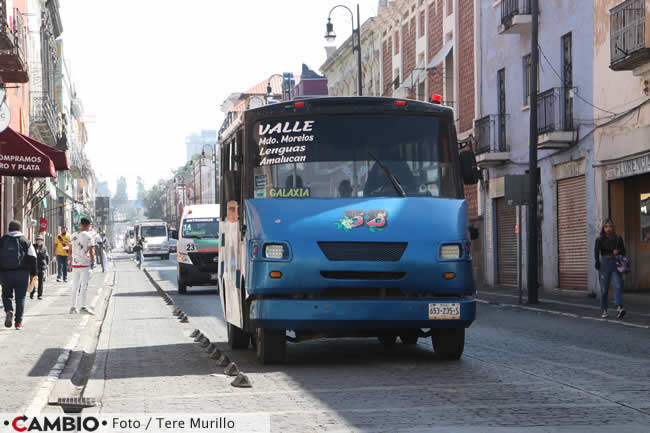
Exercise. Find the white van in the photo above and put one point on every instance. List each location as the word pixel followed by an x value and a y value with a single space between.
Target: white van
pixel 198 247
pixel 156 242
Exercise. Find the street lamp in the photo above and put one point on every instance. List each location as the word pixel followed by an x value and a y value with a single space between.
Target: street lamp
pixel 269 89
pixel 330 36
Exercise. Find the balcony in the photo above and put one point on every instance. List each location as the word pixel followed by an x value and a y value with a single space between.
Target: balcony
pixel 555 119
pixel 629 42
pixel 515 17
pixel 13 66
pixel 42 117
pixel 491 148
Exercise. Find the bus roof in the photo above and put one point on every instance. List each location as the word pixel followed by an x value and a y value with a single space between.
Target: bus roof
pixel 201 211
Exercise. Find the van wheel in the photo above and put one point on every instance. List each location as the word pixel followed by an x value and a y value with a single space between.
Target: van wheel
pixel 388 340
pixel 182 288
pixel 237 338
pixel 409 340
pixel 449 343
pixel 271 345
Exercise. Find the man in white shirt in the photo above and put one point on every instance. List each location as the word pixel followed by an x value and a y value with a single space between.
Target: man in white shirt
pixel 82 261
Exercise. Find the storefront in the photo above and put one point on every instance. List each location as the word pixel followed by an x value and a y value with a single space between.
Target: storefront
pixel 629 207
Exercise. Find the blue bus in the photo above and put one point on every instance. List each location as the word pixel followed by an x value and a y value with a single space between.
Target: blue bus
pixel 345 217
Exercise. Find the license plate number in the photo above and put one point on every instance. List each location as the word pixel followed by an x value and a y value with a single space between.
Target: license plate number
pixel 444 311
pixel 213 276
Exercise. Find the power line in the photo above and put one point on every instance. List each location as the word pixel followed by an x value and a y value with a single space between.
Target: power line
pixel 574 93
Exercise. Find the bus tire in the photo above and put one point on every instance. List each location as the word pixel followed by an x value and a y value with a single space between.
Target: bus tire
pixel 448 343
pixel 271 345
pixel 182 288
pixel 237 338
pixel 409 339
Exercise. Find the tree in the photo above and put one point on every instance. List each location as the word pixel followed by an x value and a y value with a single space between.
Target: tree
pixel 120 195
pixel 154 201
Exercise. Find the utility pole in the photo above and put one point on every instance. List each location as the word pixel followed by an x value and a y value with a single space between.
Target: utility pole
pixel 359 78
pixel 532 159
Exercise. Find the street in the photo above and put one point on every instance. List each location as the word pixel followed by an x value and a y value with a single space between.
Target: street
pixel 521 370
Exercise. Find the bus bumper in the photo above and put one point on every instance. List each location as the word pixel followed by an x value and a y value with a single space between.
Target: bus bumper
pixel 357 313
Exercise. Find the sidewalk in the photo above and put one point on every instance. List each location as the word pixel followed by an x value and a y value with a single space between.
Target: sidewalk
pixel 573 304
pixel 33 358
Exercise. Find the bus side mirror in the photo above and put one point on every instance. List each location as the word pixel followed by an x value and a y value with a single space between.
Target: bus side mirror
pixel 473 232
pixel 468 169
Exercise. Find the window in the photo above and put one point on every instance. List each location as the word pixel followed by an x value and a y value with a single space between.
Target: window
pixel 567 79
pixel 422 23
pixel 450 7
pixel 396 43
pixel 527 61
pixel 645 217
pixel 421 91
pixel 501 83
pixel 396 80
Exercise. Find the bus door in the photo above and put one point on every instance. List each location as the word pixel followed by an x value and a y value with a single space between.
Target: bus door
pixel 230 260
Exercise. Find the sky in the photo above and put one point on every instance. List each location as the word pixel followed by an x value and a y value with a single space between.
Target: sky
pixel 150 72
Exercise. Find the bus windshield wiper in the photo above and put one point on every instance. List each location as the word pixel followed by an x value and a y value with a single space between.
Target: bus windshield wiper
pixel 398 186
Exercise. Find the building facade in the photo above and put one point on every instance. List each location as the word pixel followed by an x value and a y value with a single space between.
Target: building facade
pixel 621 53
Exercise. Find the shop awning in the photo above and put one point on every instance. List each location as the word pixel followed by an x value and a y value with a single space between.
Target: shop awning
pixel 18 157
pixel 58 157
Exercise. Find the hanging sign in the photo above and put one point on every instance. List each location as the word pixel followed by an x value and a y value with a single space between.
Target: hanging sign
pixel 43 225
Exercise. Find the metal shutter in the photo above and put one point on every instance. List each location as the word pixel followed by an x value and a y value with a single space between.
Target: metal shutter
pixel 572 232
pixel 506 244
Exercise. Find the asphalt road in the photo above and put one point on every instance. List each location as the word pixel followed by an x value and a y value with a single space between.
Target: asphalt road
pixel 522 371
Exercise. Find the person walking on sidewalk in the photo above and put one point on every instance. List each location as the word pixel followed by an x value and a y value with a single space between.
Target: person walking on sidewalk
pixel 137 249
pixel 608 246
pixel 42 262
pixel 62 253
pixel 17 266
pixel 82 261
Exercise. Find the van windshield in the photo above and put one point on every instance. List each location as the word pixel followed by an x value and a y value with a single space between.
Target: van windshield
pixel 153 231
pixel 201 228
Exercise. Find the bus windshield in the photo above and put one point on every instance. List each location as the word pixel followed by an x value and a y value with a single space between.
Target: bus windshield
pixel 328 156
pixel 201 228
pixel 153 231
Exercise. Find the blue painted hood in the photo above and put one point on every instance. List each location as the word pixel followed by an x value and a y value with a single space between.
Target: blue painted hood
pixel 407 219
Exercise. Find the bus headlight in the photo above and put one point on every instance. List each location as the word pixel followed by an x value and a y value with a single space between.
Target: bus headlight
pixel 450 252
pixel 184 258
pixel 276 251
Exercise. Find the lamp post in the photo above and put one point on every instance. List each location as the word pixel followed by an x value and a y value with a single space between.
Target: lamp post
pixel 269 89
pixel 330 36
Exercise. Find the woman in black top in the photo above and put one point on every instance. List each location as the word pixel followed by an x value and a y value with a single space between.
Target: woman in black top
pixel 608 246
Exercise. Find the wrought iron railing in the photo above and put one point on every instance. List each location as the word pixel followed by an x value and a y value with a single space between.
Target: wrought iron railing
pixel 491 134
pixel 554 110
pixel 627 29
pixel 43 111
pixel 510 8
pixel 12 28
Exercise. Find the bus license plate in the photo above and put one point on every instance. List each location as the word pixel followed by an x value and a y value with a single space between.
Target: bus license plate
pixel 444 311
pixel 213 276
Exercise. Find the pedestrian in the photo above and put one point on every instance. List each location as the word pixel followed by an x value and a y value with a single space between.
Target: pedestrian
pixel 82 261
pixel 42 262
pixel 608 246
pixel 137 249
pixel 17 266
pixel 62 252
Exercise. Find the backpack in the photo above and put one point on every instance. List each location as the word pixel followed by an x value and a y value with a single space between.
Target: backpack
pixel 12 253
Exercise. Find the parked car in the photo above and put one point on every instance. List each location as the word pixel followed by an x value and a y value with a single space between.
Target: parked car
pixel 172 245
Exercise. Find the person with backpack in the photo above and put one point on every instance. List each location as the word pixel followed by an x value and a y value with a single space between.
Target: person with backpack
pixel 17 266
pixel 42 261
pixel 609 246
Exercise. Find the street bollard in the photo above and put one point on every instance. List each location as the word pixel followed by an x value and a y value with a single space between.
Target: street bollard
pixel 185 320
pixel 223 360
pixel 198 338
pixel 231 370
pixel 195 333
pixel 205 343
pixel 210 348
pixel 241 381
pixel 215 354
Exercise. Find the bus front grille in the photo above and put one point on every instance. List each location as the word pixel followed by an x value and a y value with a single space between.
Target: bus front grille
pixel 363 251
pixel 362 275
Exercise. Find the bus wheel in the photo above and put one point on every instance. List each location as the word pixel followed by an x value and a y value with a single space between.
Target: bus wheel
pixel 449 343
pixel 409 339
pixel 182 288
pixel 388 340
pixel 237 338
pixel 271 345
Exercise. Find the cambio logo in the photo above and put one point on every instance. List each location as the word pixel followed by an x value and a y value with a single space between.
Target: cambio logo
pixel 59 423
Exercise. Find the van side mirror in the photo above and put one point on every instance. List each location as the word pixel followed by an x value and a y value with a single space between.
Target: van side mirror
pixel 473 232
pixel 173 234
pixel 468 168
